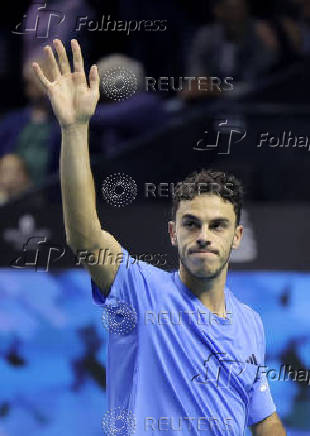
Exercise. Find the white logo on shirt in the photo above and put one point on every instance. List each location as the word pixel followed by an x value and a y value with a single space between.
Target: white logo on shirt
pixel 263 387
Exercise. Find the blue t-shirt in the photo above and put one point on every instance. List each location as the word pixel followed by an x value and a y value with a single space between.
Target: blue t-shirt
pixel 175 368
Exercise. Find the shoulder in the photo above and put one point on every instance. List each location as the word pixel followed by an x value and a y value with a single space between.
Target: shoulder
pixel 149 265
pixel 153 267
pixel 205 33
pixel 15 115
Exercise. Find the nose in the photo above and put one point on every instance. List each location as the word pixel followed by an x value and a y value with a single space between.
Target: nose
pixel 203 239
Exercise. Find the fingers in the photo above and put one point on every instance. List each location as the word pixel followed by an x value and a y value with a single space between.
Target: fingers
pixel 62 57
pixel 94 78
pixel 55 71
pixel 39 73
pixel 78 64
pixel 52 63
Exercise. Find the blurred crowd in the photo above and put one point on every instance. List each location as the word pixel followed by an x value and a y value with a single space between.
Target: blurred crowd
pixel 220 38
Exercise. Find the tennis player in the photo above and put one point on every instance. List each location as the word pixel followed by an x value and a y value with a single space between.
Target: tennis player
pixel 187 359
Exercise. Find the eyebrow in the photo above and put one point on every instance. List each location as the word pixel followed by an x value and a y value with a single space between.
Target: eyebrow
pixel 218 218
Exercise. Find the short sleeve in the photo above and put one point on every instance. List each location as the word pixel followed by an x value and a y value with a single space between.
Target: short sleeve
pixel 261 403
pixel 128 284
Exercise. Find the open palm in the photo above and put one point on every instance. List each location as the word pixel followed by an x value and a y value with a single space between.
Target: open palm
pixel 73 101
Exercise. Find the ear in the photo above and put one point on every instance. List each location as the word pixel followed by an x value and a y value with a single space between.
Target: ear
pixel 237 237
pixel 172 232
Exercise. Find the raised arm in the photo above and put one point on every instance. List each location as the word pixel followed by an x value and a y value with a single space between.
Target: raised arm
pixel 74 102
pixel 270 426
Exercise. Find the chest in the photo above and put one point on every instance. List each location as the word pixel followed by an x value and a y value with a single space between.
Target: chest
pixel 185 338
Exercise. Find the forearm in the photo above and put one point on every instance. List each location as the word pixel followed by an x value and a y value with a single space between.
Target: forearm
pixel 272 426
pixel 78 188
pixel 273 430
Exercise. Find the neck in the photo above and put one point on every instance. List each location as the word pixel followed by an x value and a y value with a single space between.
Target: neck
pixel 210 291
pixel 39 113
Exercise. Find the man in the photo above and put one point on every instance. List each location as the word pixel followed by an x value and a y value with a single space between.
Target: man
pixel 234 45
pixel 239 45
pixel 117 122
pixel 14 177
pixel 31 133
pixel 191 376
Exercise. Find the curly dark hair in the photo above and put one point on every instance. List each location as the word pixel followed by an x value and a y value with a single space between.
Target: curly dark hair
pixel 220 183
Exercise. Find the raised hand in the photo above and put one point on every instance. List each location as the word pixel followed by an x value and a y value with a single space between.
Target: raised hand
pixel 73 101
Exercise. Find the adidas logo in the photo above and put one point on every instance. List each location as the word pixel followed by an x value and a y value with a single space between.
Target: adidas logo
pixel 252 359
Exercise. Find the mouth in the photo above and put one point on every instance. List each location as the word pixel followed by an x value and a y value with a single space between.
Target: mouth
pixel 202 253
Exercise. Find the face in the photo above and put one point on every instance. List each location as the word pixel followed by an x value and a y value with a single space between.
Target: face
pixel 205 233
pixel 32 87
pixel 13 177
pixel 231 12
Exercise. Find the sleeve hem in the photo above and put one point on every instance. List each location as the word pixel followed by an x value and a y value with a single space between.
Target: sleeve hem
pixel 250 424
pixel 97 293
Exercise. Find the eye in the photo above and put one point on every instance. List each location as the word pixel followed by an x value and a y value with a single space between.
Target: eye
pixel 190 224
pixel 219 225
